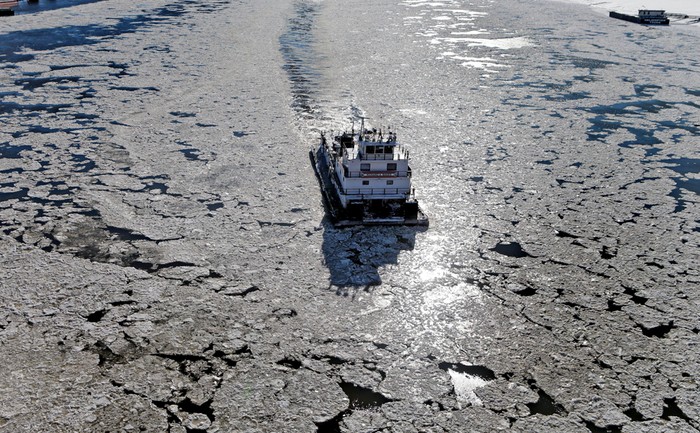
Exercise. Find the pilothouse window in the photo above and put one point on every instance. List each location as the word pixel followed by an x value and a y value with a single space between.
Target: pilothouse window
pixel 364 167
pixel 391 166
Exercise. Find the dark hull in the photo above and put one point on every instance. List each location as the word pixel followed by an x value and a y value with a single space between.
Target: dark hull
pixel 347 217
pixel 638 20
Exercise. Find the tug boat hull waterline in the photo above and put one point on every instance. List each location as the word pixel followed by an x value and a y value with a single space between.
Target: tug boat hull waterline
pixel 366 180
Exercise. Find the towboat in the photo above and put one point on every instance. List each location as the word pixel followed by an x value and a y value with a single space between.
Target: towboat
pixel 366 179
pixel 646 16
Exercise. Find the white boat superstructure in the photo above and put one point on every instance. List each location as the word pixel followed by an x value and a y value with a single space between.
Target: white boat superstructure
pixel 367 178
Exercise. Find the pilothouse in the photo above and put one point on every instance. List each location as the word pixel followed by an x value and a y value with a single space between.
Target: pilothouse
pixel 366 179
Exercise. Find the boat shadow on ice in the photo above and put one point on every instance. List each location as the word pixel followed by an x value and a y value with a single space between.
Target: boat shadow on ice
pixel 355 255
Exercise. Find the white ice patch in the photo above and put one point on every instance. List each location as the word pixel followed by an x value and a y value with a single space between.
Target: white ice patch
pixel 465 385
pixel 479 63
pixel 471 33
pixel 463 11
pixel 441 297
pixel 417 4
pixel 432 274
pixel 412 111
pixel 502 43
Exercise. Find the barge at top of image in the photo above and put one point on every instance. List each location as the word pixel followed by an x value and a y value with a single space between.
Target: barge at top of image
pixel 365 177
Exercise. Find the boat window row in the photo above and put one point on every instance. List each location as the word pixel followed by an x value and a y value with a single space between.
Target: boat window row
pixel 376 191
pixel 388 182
pixel 368 167
pixel 371 150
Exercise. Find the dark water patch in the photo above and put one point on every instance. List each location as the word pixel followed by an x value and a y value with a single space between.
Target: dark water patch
pixel 545 405
pixel 585 63
pixel 10 93
pixel 693 92
pixel 671 409
pixel 601 127
pixel 11 107
pixel 38 129
pixel 563 182
pixel 652 151
pixel 684 166
pixel 563 234
pixel 157 48
pixel 11 151
pixel 510 249
pixel 692 185
pixel 585 78
pixel 612 306
pixel 182 114
pixel 607 429
pixel 32 84
pixel 12 170
pixel 86 116
pixel 640 300
pixel 290 363
pixel 65 67
pixel 641 137
pixel 14 195
pixel 361 397
pixel 124 234
pixel 544 162
pixel 332 425
pixel 633 107
pixel 297 48
pixel 96 316
pixel 206 125
pixel 523 290
pixel 47 39
pixel 156 186
pixel 61 191
pixel 239 134
pixel 573 96
pixel 121 67
pixel 214 206
pixel 471 370
pixel 135 89
pixel 660 331
pixel 646 90
pixel 608 253
pixel 191 153
pixel 83 163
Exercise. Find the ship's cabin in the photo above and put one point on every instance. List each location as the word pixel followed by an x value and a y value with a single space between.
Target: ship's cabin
pixel 649 13
pixel 370 145
pixel 372 150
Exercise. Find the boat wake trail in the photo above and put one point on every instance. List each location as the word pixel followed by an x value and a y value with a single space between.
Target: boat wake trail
pixel 297 47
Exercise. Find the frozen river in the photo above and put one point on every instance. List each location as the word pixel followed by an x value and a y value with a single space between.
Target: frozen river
pixel 166 265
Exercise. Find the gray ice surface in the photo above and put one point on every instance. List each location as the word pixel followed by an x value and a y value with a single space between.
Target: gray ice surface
pixel 165 262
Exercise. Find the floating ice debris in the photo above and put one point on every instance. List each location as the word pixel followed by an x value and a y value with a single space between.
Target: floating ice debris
pixel 465 385
pixel 502 43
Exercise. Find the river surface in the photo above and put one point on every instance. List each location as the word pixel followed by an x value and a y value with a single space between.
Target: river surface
pixel 167 263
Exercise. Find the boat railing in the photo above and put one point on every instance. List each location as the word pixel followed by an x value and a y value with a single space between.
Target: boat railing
pixel 390 173
pixel 373 192
pixel 380 156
